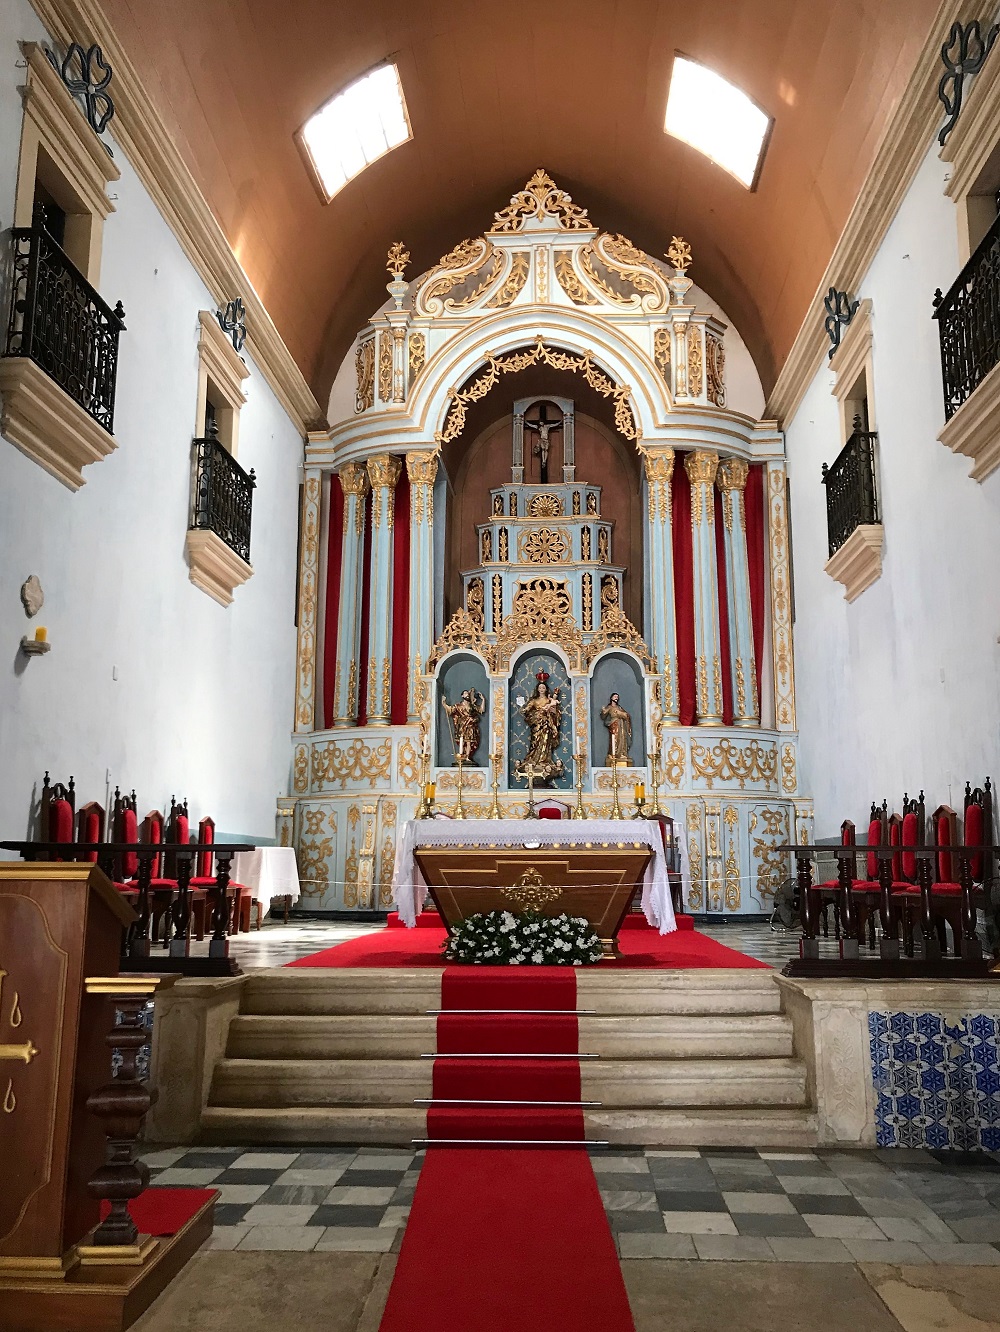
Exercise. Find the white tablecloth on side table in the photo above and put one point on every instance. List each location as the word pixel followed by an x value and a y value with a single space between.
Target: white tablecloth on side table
pixel 268 872
pixel 410 891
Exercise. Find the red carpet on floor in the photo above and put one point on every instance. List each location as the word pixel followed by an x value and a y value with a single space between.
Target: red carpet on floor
pixel 507 1240
pixel 640 947
pixel 508 1079
pixel 164 1211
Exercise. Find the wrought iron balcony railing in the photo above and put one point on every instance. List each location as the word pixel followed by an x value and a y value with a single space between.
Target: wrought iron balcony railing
pixel 969 323
pixel 851 487
pixel 59 321
pixel 223 495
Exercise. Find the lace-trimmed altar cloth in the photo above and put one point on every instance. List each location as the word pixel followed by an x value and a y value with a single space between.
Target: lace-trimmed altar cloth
pixel 410 892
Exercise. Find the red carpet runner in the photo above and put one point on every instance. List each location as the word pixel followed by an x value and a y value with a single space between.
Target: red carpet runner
pixel 512 1238
pixel 162 1211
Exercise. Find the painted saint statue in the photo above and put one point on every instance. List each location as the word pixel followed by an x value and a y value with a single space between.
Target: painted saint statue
pixel 543 716
pixel 619 725
pixel 465 716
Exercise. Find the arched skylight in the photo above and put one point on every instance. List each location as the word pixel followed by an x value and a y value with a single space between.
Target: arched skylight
pixel 356 127
pixel 711 114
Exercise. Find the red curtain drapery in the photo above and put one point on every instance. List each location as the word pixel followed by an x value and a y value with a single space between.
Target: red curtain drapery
pixel 334 560
pixel 400 601
pixel 366 595
pixel 723 605
pixel 683 595
pixel 753 502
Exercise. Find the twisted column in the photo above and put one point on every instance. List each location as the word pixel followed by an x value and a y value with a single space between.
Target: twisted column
pixel 701 466
pixel 421 468
pixel 346 694
pixel 659 464
pixel 731 480
pixel 383 473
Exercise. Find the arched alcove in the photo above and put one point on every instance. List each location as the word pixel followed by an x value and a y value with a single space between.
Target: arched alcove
pixel 522 684
pixel 461 671
pixel 617 673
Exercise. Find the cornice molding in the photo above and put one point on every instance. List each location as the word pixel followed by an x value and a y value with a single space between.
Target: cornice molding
pixel 974 430
pixel 849 359
pixel 147 144
pixel 907 140
pixel 858 562
pixel 970 144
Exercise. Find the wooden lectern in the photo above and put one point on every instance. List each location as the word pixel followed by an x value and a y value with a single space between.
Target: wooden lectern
pixel 60 923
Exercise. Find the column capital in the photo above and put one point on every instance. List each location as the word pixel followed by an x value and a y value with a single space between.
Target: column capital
pixel 421 468
pixel 732 474
pixel 353 478
pixel 384 470
pixel 659 463
pixel 701 465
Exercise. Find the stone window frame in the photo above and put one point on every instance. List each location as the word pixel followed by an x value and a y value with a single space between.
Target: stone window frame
pixel 221 375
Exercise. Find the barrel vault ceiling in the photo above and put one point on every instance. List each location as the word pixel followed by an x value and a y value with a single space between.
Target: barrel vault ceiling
pixel 495 90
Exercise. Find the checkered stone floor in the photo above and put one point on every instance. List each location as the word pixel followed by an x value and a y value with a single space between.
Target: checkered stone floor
pixel 274 1198
pixel 891 1206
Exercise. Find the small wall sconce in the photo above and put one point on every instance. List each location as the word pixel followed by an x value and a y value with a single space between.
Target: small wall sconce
pixel 37 645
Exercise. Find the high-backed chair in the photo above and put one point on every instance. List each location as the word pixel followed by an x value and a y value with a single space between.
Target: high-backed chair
pixel 908 832
pixel 205 879
pixel 552 809
pixel 90 827
pixel 865 889
pixel 946 891
pixel 125 830
pixel 57 811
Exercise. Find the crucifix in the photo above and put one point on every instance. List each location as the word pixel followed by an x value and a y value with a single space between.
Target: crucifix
pixel 544 427
pixel 529 772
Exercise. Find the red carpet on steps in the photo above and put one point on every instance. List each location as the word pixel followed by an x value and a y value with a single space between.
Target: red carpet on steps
pixel 507 1238
pixel 164 1211
pixel 640 946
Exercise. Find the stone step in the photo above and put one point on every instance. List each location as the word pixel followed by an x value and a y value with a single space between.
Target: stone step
pixel 402 1036
pixel 360 990
pixel 282 1083
pixel 781 1129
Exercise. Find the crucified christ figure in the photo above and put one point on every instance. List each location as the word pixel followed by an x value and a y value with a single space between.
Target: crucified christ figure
pixel 544 427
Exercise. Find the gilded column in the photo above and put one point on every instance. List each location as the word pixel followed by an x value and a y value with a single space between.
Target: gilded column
pixel 732 479
pixel 346 696
pixel 781 597
pixel 421 468
pixel 659 463
pixel 383 473
pixel 701 466
pixel 305 665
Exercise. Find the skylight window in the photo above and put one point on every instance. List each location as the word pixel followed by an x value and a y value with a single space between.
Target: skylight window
pixel 711 114
pixel 356 127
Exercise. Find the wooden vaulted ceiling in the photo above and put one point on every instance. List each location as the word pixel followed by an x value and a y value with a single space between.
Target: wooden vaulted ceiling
pixel 494 91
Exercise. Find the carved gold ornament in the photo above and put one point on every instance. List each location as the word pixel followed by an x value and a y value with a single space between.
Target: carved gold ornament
pixel 497 602
pixel 544 506
pixel 569 280
pixel 659 475
pixel 300 769
pixel 475 601
pixel 352 761
pixel 592 503
pixel 661 353
pixel 385 366
pixel 461 631
pixel 585 538
pixel 609 592
pixel 695 379
pixel 473 779
pixel 351 876
pixel 542 610
pixel 538 354
pixel 679 254
pixel 486 546
pixel 503 545
pixel 364 364
pixel 788 777
pixel 715 368
pixel 353 479
pixel 543 545
pixel 513 503
pixel 673 768
pixel 604 545
pixel 576 504
pixel 772 864
pixel 530 892
pixel 781 600
pixel 732 868
pixel 540 198
pixel 454 269
pixel 385 864
pixel 627 263
pixel 732 474
pixel 617 630
pixel 407 764
pixel 497 506
pixel 418 354
pixel 397 260
pixel 730 762
pixel 512 285
pixel 588 602
pixel 305 668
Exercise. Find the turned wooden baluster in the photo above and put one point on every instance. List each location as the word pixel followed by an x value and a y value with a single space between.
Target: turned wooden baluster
pixel 889 945
pixel 121 1104
pixel 848 917
pixel 930 944
pixel 219 943
pixel 180 944
pixel 971 947
pixel 808 944
pixel 140 938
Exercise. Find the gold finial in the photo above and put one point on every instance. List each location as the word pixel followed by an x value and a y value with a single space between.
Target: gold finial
pixel 679 254
pixel 396 260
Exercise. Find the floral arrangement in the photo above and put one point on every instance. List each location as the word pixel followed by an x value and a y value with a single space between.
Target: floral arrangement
pixel 501 938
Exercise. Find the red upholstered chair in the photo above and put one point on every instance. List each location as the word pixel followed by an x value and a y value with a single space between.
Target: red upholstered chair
pixel 162 888
pixel 946 891
pixel 90 827
pixel 866 889
pixel 552 809
pixel 205 879
pixel 57 812
pixel 125 829
pixel 909 833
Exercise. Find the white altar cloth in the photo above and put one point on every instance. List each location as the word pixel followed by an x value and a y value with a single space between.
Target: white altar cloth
pixel 410 891
pixel 268 872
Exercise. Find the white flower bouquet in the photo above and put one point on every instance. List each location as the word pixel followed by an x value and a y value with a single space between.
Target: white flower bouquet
pixel 501 938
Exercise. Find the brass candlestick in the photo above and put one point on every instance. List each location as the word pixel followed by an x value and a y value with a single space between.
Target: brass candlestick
pixel 654 759
pixel 459 809
pixel 581 762
pixel 495 813
pixel 425 810
pixel 616 809
pixel 640 804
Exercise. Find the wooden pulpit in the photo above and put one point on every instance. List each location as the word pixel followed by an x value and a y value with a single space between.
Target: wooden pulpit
pixel 60 924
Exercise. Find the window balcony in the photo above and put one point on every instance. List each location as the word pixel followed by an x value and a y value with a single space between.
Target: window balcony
pixel 968 320
pixel 218 541
pixel 61 327
pixel 854 525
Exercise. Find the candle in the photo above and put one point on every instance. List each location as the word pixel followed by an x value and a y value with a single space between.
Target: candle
pixel 41 634
pixel 640 791
pixel 427 745
pixel 430 792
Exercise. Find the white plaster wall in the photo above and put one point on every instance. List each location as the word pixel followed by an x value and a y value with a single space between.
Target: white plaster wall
pixel 148 678
pixel 901 689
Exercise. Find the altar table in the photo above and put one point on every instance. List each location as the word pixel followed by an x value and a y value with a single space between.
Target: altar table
pixel 268 872
pixel 410 891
